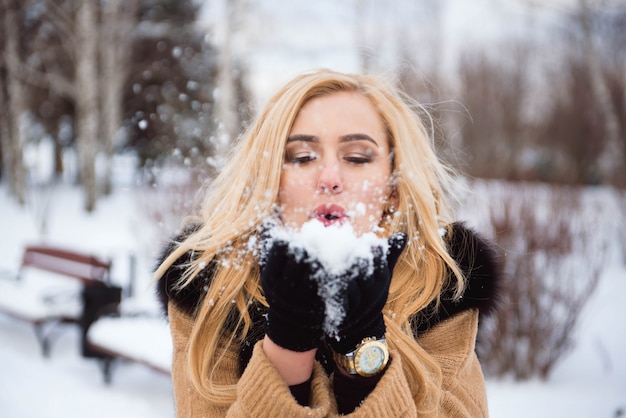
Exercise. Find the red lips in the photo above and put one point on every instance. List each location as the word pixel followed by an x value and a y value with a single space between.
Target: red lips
pixel 330 214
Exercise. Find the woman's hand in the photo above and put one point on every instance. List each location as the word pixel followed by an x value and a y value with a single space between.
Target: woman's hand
pixel 296 311
pixel 365 297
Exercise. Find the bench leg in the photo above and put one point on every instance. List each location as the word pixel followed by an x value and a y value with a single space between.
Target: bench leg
pixel 107 365
pixel 44 331
pixel 43 338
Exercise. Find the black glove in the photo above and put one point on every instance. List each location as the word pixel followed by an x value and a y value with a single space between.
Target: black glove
pixel 296 312
pixel 365 297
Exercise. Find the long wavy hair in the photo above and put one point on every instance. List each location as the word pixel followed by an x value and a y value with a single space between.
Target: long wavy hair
pixel 245 194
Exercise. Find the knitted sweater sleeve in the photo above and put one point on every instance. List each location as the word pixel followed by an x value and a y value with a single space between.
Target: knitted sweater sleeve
pixel 452 344
pixel 260 392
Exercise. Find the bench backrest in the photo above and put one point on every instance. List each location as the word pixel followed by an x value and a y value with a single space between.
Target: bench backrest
pixel 84 267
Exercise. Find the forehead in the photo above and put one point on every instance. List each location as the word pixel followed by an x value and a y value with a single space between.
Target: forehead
pixel 343 110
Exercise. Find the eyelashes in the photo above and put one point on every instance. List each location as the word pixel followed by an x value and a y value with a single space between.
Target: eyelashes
pixel 358 159
pixel 301 158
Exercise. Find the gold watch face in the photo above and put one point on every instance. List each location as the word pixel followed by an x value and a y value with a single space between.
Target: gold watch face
pixel 371 358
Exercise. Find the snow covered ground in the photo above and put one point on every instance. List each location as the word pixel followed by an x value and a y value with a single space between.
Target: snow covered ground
pixel 66 385
pixel 590 382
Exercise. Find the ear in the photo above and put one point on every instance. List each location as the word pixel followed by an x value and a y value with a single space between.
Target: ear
pixel 436 200
pixel 392 199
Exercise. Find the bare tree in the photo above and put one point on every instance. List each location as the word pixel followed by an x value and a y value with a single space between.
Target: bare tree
pixel 599 87
pixel 363 37
pixel 5 134
pixel 77 59
pixel 495 92
pixel 572 131
pixel 82 63
pixel 227 101
pixel 68 68
pixel 593 34
pixel 611 53
pixel 87 100
pixel 117 20
pixel 13 105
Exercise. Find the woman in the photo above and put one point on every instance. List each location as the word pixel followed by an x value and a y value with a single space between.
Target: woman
pixel 248 314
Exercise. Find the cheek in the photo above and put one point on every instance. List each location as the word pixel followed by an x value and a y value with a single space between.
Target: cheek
pixel 374 191
pixel 293 194
pixel 370 206
pixel 370 199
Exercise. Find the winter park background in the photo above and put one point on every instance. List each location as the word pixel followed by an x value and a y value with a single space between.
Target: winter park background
pixel 547 169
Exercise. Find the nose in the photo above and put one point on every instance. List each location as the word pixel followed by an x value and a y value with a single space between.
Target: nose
pixel 330 179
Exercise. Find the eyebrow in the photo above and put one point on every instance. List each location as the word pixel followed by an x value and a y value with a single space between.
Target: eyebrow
pixel 303 138
pixel 343 138
pixel 358 137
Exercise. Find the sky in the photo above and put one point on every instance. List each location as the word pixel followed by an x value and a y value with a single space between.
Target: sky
pixel 279 39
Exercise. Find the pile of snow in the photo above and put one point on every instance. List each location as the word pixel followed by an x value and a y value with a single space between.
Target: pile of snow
pixel 337 249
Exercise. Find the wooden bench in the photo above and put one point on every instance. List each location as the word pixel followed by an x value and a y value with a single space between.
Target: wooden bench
pixel 84 267
pixel 58 286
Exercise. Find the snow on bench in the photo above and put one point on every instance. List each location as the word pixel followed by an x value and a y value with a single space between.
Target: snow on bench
pixel 58 286
pixel 37 298
pixel 144 340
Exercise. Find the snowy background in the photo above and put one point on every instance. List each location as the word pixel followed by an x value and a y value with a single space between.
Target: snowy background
pixel 589 382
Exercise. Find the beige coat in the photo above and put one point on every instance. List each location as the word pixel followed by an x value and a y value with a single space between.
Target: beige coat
pixel 451 343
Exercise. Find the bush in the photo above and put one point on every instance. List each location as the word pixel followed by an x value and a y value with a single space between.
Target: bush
pixel 554 251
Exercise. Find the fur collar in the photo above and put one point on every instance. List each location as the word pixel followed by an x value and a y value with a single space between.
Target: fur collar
pixel 478 260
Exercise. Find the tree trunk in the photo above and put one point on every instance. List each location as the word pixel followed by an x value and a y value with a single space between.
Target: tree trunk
pixel 87 99
pixel 5 133
pixel 227 97
pixel 363 40
pixel 602 95
pixel 13 132
pixel 118 20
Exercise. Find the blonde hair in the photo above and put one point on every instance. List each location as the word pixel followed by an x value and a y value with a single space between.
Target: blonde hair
pixel 244 194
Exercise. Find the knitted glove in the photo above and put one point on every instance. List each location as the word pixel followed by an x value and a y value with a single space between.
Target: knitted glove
pixel 296 311
pixel 365 297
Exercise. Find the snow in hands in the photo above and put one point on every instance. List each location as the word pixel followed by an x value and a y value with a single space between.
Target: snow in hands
pixel 342 256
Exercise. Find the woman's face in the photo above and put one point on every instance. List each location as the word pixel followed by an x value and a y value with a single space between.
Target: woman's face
pixel 337 164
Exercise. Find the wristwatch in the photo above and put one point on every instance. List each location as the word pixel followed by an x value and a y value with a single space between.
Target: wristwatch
pixel 368 359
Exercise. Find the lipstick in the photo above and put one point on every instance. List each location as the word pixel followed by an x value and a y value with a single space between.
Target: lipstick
pixel 330 214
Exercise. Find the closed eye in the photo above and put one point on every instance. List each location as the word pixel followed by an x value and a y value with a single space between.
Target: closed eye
pixel 357 154
pixel 300 157
pixel 358 159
